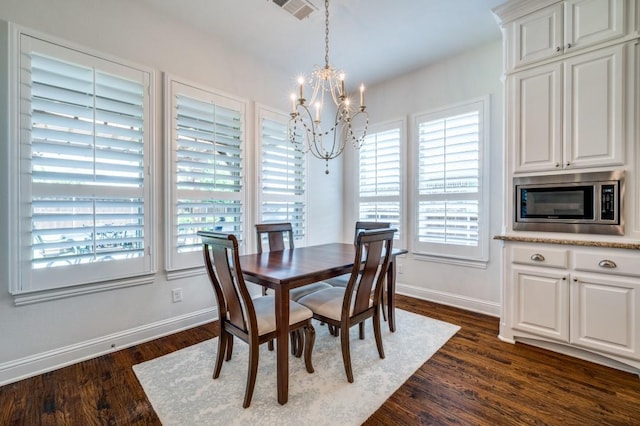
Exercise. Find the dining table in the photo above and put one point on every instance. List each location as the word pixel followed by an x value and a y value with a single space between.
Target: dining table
pixel 284 270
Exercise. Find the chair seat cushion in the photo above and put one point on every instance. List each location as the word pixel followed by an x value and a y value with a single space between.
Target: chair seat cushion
pixel 299 292
pixel 340 281
pixel 265 307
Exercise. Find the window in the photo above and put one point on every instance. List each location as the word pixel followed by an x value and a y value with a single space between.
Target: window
pixel 380 176
pixel 82 178
pixel 282 175
pixel 205 160
pixel 450 209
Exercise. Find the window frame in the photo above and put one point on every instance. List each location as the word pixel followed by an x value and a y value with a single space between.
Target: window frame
pixel 178 265
pixel 401 125
pixel 68 284
pixel 477 256
pixel 266 112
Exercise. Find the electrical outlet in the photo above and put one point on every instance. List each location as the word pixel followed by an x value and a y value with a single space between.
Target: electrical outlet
pixel 176 293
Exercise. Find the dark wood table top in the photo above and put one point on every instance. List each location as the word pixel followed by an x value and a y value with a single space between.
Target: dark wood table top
pixel 302 265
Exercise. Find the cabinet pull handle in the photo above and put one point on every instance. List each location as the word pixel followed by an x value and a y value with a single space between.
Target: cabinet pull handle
pixel 607 264
pixel 537 257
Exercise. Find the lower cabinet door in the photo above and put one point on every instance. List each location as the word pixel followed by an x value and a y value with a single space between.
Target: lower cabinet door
pixel 604 314
pixel 541 303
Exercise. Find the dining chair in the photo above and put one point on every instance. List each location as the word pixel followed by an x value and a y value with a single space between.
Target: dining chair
pixel 342 280
pixel 344 307
pixel 274 234
pixel 251 320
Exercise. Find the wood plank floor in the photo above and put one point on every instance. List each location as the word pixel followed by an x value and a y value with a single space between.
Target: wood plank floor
pixel 474 379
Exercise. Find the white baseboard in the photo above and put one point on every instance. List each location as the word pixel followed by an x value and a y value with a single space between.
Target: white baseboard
pixel 33 365
pixel 449 299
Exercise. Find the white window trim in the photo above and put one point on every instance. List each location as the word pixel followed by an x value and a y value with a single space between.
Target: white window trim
pixel 176 269
pixel 24 297
pixel 400 123
pixel 264 111
pixel 480 258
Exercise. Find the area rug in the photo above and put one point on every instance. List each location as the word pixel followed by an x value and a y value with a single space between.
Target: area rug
pixel 182 392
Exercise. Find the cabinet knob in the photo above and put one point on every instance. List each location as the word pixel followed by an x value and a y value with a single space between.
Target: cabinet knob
pixel 558 48
pixel 568 164
pixel 568 45
pixel 606 263
pixel 557 164
pixel 537 257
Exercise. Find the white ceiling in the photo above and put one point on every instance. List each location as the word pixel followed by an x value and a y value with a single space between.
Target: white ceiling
pixel 371 40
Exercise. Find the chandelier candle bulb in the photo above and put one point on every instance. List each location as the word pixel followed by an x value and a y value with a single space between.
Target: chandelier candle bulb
pixel 342 92
pixel 301 83
pixel 361 95
pixel 317 112
pixel 293 103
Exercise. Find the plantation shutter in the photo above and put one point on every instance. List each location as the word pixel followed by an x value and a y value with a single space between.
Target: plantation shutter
pixel 82 126
pixel 449 179
pixel 283 177
pixel 206 162
pixel 380 178
pixel 209 171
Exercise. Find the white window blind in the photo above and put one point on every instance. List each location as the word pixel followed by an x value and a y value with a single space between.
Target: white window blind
pixel 449 187
pixel 207 183
pixel 282 175
pixel 379 176
pixel 83 134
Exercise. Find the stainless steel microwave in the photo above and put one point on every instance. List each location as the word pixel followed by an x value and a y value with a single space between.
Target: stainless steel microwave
pixel 589 203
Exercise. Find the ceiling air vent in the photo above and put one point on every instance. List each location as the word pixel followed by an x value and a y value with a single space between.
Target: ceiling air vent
pixel 298 8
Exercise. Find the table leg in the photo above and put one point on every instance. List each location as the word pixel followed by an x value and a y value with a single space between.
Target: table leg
pixel 391 295
pixel 282 343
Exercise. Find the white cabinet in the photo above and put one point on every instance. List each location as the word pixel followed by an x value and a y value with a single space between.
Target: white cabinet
pixel 577 297
pixel 564 27
pixel 605 314
pixel 569 114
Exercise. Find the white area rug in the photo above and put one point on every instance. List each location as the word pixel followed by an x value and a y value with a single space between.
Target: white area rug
pixel 182 392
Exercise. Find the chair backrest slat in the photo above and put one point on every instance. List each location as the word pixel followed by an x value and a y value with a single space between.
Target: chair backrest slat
pixel 223 267
pixel 376 256
pixel 275 235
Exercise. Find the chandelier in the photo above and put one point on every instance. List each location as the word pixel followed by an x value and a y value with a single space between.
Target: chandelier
pixel 306 130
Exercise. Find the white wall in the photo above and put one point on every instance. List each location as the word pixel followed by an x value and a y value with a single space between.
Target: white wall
pixel 468 76
pixel 39 337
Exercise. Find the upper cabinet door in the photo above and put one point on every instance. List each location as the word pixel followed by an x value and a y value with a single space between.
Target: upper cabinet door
pixel 538 36
pixel 593 108
pixel 563 28
pixel 587 22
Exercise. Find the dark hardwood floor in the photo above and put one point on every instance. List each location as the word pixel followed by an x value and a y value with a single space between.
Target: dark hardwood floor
pixel 474 379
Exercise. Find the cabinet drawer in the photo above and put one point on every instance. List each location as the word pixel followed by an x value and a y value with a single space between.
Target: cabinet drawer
pixel 540 256
pixel 608 263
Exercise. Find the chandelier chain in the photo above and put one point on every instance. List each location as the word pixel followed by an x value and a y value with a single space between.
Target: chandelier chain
pixel 326 33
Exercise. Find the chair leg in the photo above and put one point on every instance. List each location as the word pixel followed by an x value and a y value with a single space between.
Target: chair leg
pixel 383 304
pixel 222 348
pixel 270 345
pixel 346 353
pixel 229 346
pixel 309 340
pixel 378 333
pixel 251 376
pixel 361 330
pixel 299 343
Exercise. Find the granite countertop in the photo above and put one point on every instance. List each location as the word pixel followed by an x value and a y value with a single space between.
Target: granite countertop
pixel 563 241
